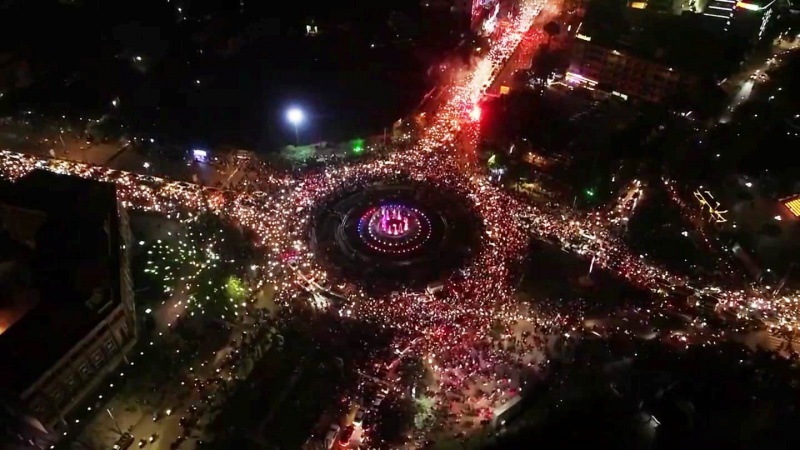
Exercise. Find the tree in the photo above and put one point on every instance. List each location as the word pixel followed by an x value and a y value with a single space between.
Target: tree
pixel 412 372
pixel 552 29
pixel 424 412
pixel 396 419
pixel 297 155
pixel 107 128
pixel 144 381
pixel 206 264
pixel 547 61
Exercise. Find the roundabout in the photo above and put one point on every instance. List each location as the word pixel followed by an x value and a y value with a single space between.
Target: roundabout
pixel 392 233
pixel 375 231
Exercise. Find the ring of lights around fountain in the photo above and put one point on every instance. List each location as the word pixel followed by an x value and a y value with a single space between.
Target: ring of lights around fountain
pixel 394 228
pixel 390 233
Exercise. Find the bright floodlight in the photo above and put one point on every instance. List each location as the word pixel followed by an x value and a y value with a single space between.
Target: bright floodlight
pixel 295 116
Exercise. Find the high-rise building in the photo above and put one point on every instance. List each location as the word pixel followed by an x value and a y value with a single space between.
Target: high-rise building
pixel 66 301
pixel 633 52
pixel 747 20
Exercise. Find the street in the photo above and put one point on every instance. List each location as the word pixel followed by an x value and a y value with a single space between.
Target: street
pixel 522 56
pixel 63 142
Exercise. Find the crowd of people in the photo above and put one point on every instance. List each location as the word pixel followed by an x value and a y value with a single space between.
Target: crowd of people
pixel 451 330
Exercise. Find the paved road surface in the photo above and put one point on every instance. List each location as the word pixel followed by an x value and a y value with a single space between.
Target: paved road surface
pixel 47 142
pixel 522 56
pixel 767 340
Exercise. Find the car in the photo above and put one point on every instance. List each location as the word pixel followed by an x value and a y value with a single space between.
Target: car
pixel 330 438
pixel 142 443
pixel 378 400
pixel 346 434
pixel 358 420
pixel 152 438
pixel 124 441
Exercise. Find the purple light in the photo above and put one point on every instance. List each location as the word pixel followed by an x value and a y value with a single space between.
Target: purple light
pixel 394 228
pixel 393 221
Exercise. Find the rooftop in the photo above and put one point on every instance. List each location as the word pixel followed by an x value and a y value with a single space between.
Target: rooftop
pixel 679 41
pixel 58 253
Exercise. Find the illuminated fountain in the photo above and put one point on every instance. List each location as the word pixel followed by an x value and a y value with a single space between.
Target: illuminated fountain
pixel 406 232
pixel 394 228
pixel 393 220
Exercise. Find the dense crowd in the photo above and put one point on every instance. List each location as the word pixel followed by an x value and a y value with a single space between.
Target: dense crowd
pixel 450 331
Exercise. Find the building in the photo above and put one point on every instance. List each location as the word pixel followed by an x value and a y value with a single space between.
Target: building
pixel 651 56
pixel 659 6
pixel 744 20
pixel 66 304
pixel 469 12
pixel 506 411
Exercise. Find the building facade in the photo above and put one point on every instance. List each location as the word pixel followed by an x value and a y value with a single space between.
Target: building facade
pixel 595 65
pixel 79 329
pixel 645 51
pixel 746 20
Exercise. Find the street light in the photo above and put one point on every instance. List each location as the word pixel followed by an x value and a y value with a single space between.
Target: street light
pixel 295 116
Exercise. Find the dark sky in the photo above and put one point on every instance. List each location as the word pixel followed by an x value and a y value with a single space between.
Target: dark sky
pixel 348 90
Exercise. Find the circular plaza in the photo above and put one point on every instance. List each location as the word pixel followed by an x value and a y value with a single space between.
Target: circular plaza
pixel 394 233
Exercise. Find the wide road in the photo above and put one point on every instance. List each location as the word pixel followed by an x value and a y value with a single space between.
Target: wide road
pixel 54 140
pixel 522 56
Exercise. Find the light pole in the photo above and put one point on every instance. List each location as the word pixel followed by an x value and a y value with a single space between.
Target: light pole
pixel 113 419
pixel 295 116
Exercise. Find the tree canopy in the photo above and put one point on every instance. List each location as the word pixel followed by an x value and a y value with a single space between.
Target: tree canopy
pixel 206 263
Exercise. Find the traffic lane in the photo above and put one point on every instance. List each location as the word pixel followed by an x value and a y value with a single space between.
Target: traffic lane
pixel 180 399
pixel 626 196
pixel 741 96
pixel 356 438
pixel 167 430
pixel 48 143
pixel 132 160
pixel 765 339
pixel 19 138
pixel 68 146
pixel 519 60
